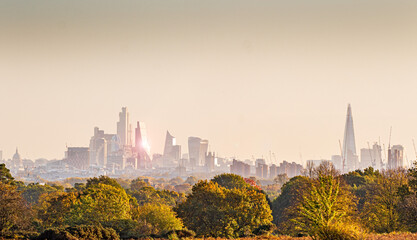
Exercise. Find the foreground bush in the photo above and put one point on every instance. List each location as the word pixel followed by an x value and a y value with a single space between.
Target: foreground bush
pixel 79 232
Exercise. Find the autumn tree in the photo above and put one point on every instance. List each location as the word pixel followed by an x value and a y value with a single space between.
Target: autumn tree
pixel 14 213
pixel 160 218
pixel 284 206
pixel 216 211
pixel 380 211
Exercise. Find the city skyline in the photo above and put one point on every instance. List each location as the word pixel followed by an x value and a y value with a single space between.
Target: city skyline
pixel 250 76
pixel 348 144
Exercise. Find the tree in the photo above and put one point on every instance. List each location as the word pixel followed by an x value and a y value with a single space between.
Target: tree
pixel 55 209
pixel 380 212
pixel 103 180
pixel 284 206
pixel 138 184
pixel 230 181
pixel 101 203
pixel 14 213
pixel 5 175
pixel 326 210
pixel 33 191
pixel 160 217
pixel 216 211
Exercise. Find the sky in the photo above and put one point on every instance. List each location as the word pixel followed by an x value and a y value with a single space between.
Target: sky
pixel 251 76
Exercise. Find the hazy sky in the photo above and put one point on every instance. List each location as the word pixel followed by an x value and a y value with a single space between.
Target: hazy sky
pixel 249 76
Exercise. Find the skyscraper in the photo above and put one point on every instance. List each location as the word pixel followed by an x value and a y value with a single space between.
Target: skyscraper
pixel 350 158
pixel 396 157
pixel 142 148
pixel 172 151
pixel 124 129
pixel 197 150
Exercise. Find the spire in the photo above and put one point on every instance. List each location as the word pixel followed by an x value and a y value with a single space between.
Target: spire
pixel 349 145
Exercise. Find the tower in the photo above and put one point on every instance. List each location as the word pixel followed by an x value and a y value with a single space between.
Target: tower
pixel 124 129
pixel 350 159
pixel 142 148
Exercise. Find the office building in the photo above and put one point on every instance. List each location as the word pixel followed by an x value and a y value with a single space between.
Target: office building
pixel 142 148
pixel 197 150
pixel 78 157
pixel 371 157
pixel 396 157
pixel 240 168
pixel 124 129
pixel 350 158
pixel 209 162
pixel 172 151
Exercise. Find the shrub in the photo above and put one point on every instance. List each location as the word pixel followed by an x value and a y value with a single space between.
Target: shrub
pixel 79 232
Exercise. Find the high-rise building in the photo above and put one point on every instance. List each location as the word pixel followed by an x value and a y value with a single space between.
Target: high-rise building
pixel 350 158
pixel 371 157
pixel 78 157
pixel 337 161
pixel 262 170
pixel 240 168
pixel 172 151
pixel 209 162
pixel 197 150
pixel 1 156
pixel 273 171
pixel 101 146
pixel 142 148
pixel 396 157
pixel 124 129
pixel 203 151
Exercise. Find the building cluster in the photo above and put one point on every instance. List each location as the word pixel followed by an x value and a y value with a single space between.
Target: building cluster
pixel 127 152
pixel 264 171
pixel 373 156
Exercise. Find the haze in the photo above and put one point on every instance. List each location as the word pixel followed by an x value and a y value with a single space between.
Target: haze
pixel 249 76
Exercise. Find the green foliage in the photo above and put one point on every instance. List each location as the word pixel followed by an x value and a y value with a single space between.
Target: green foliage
pixel 161 218
pixel 103 180
pixel 230 181
pixel 95 232
pixel 33 191
pixel 212 210
pixel 325 208
pixel 151 195
pixel 14 214
pixel 380 212
pixel 283 207
pixel 5 175
pixel 138 184
pixel 101 203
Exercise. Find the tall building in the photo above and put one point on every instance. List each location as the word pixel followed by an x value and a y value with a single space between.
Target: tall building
pixel 78 157
pixel 396 157
pixel 350 158
pixel 209 162
pixel 172 151
pixel 337 161
pixel 197 151
pixel 240 168
pixel 124 129
pixel 101 146
pixel 142 148
pixel 371 157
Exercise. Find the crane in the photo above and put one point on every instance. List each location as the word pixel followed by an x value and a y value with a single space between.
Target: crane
pixel 343 157
pixel 370 154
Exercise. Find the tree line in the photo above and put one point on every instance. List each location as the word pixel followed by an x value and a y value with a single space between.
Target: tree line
pixel 323 204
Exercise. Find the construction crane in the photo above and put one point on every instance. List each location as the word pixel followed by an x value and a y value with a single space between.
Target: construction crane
pixel 370 154
pixel 343 157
